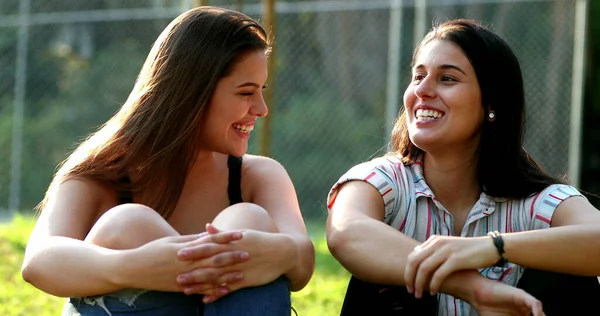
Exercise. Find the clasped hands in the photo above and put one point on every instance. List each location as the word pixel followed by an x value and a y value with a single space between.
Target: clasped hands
pixel 214 263
pixel 432 262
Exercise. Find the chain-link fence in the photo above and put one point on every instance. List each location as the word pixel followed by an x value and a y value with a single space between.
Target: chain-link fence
pixel 341 68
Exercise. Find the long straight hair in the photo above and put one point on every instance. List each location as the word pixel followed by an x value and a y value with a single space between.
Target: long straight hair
pixel 148 147
pixel 505 169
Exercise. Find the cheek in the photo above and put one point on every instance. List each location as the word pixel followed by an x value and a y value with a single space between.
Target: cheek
pixel 408 98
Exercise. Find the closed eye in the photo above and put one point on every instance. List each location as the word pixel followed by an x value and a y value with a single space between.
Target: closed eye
pixel 249 93
pixel 447 78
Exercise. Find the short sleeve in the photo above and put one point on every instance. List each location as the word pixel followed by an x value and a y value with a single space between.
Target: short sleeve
pixel 383 174
pixel 541 206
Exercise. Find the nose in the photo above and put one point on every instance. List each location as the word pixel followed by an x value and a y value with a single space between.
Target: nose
pixel 426 88
pixel 259 107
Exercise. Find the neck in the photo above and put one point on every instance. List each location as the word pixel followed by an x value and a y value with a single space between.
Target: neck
pixel 208 162
pixel 453 180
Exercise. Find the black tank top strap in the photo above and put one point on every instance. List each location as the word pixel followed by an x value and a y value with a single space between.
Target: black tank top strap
pixel 125 196
pixel 234 189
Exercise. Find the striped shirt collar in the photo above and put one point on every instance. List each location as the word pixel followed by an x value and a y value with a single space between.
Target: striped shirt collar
pixel 487 203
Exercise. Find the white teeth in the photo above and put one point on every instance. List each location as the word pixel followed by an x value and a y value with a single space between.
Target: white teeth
pixel 244 128
pixel 426 115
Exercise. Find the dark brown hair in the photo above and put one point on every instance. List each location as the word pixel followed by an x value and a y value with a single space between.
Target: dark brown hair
pixel 505 169
pixel 151 141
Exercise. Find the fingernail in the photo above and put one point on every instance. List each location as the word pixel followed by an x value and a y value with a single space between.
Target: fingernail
pixel 181 279
pixel 238 276
pixel 244 255
pixel 206 299
pixel 409 289
pixel 222 291
pixel 182 253
pixel 202 234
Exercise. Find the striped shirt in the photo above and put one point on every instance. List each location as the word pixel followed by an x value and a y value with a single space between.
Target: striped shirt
pixel 412 208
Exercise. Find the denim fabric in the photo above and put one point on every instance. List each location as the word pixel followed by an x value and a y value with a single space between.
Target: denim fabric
pixel 272 299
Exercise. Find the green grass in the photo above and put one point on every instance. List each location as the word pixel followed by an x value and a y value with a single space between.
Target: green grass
pixel 322 296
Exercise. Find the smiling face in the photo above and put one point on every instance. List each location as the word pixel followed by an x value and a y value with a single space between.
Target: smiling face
pixel 443 101
pixel 235 105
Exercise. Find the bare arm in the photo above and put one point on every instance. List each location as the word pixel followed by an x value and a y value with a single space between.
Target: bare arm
pixel 57 258
pixel 374 251
pixel 273 189
pixel 571 245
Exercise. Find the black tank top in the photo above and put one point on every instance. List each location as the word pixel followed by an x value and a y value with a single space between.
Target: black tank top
pixel 234 187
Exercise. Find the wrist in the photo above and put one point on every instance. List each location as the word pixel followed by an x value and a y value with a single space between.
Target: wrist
pixel 498 242
pixel 120 269
pixel 463 284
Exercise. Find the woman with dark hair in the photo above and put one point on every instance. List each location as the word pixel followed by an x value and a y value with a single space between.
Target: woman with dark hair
pixel 457 210
pixel 123 226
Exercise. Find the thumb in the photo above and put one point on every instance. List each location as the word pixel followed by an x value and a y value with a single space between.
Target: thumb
pixel 211 229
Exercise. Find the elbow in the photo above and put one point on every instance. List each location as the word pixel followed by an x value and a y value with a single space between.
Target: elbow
pixel 307 268
pixel 30 272
pixel 337 241
pixel 35 274
pixel 27 273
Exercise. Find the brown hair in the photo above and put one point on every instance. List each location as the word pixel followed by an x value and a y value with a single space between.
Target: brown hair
pixel 505 169
pixel 151 140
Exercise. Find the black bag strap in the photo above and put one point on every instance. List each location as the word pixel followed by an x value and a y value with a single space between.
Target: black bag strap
pixel 234 188
pixel 364 298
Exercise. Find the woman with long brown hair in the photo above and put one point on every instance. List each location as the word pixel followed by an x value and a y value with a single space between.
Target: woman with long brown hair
pixel 161 211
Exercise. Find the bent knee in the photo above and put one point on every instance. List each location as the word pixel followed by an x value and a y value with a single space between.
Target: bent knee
pixel 245 216
pixel 126 226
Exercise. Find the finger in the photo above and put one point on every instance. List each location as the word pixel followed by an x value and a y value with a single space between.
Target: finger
pixel 211 229
pixel 226 259
pixel 410 269
pixel 211 298
pixel 206 290
pixel 205 275
pixel 425 271
pixel 537 308
pixel 431 240
pixel 442 272
pixel 225 236
pixel 230 278
pixel 199 288
pixel 197 252
pixel 215 293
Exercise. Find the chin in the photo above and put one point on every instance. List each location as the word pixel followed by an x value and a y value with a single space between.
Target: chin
pixel 422 142
pixel 238 152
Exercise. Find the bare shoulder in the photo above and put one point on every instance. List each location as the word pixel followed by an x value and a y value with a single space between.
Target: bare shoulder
pixel 260 166
pixel 263 177
pixel 73 207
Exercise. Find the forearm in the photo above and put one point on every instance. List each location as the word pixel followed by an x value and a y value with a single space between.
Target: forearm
pixel 302 261
pixel 71 268
pixel 577 247
pixel 374 252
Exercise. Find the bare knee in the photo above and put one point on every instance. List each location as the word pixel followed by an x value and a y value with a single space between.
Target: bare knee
pixel 128 226
pixel 245 216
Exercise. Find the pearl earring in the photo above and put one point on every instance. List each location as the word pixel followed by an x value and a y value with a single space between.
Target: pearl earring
pixel 492 116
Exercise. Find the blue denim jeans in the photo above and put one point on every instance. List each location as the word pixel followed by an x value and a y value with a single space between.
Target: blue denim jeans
pixel 272 299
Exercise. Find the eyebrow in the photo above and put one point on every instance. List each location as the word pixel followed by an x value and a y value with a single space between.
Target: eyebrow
pixel 445 66
pixel 249 84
